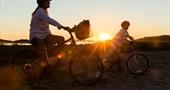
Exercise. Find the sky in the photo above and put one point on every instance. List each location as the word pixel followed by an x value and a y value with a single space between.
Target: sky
pixel 147 17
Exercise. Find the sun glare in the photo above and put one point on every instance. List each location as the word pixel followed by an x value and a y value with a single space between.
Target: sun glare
pixel 104 37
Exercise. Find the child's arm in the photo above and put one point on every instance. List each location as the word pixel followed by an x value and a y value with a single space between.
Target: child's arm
pixel 131 38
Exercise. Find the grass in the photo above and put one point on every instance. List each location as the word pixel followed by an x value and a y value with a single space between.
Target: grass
pixel 10 80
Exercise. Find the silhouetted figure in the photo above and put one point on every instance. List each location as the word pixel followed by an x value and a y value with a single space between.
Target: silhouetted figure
pixel 40 35
pixel 120 41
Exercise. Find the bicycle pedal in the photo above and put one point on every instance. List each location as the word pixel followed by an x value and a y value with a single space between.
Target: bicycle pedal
pixel 27 67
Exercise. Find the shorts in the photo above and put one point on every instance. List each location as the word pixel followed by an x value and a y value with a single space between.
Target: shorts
pixel 36 42
pixel 49 41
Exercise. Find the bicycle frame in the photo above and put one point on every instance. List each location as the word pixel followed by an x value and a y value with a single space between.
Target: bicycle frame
pixel 73 42
pixel 125 54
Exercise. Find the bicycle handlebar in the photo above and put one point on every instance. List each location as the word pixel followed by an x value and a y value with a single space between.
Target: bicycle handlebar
pixel 68 29
pixel 131 42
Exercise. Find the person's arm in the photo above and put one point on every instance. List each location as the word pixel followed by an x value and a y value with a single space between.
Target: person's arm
pixel 42 15
pixel 131 38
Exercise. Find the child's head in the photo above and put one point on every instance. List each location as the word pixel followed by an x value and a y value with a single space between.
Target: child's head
pixel 125 25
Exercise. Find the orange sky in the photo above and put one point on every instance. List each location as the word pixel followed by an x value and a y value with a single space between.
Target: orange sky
pixel 147 17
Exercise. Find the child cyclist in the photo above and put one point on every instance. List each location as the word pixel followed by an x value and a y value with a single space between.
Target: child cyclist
pixel 120 40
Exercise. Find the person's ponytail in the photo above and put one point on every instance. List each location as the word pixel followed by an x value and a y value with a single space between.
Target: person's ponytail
pixel 38 8
pixel 35 11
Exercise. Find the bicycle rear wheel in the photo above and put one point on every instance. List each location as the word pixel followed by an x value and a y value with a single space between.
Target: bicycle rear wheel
pixel 22 64
pixel 137 64
pixel 86 69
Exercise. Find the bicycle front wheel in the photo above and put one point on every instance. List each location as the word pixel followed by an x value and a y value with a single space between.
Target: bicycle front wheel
pixel 137 64
pixel 86 69
pixel 22 64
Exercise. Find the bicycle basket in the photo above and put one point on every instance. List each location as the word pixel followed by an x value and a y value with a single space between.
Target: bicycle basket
pixel 82 30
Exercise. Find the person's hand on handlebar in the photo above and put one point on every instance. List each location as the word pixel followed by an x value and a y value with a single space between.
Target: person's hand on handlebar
pixel 65 28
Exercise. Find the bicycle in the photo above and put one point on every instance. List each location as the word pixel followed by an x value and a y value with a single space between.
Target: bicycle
pixel 84 68
pixel 132 61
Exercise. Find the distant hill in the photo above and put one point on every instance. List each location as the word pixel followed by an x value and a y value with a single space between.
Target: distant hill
pixel 16 41
pixel 5 41
pixel 21 41
pixel 163 38
pixel 154 43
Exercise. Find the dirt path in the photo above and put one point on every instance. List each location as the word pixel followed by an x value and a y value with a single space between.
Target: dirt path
pixel 156 78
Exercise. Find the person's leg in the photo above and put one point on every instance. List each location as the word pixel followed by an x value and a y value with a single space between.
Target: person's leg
pixel 39 45
pixel 51 40
pixel 40 65
pixel 54 39
pixel 111 51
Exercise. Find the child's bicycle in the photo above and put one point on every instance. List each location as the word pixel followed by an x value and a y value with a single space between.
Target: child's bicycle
pixel 84 68
pixel 129 59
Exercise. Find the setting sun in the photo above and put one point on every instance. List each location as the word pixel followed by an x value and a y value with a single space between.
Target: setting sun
pixel 104 37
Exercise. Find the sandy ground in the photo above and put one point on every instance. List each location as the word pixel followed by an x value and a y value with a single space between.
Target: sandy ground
pixel 156 78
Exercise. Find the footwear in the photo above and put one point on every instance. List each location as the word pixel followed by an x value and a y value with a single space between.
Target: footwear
pixel 97 74
pixel 138 71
